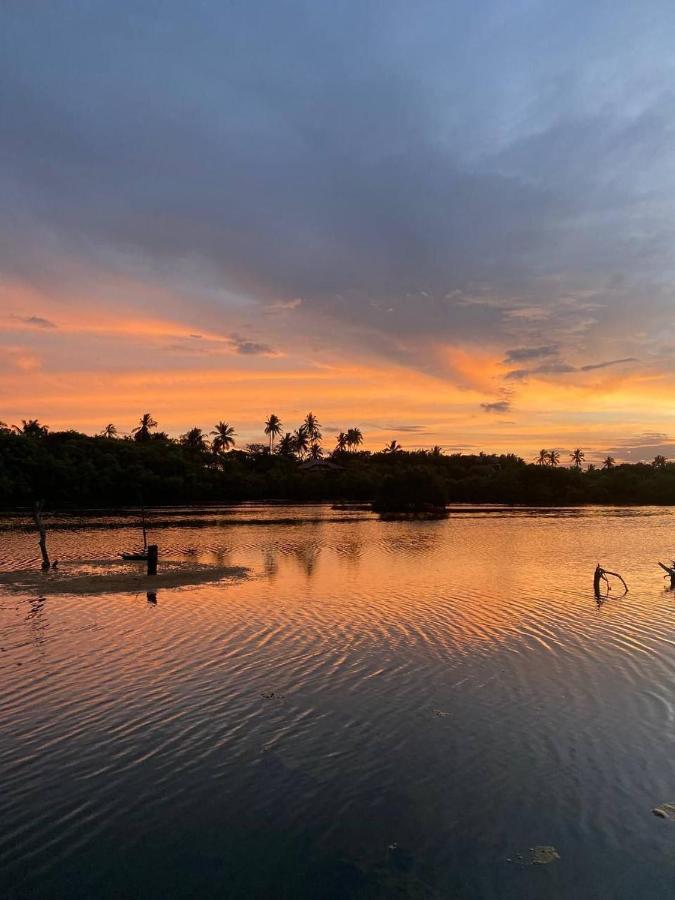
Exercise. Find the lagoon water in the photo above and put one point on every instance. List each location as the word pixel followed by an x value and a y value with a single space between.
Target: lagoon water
pixel 380 710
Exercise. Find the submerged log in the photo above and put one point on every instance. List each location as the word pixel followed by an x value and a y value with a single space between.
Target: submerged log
pixel 37 517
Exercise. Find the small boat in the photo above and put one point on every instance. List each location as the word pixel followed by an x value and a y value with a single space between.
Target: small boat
pixel 139 555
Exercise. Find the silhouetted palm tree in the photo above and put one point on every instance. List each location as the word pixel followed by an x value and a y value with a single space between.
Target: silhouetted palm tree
pixel 553 457
pixel 341 441
pixel 354 437
pixel 31 428
pixel 273 428
pixel 542 459
pixel 609 462
pixel 286 446
pixel 437 450
pixel 315 451
pixel 577 456
pixel 659 462
pixel 301 439
pixel 142 431
pixel 194 440
pixel 109 431
pixel 312 427
pixel 224 437
pixel 393 447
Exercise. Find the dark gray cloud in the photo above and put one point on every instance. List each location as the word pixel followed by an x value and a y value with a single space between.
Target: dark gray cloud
pixel 35 321
pixel 643 448
pixel 525 354
pixel 249 348
pixel 499 406
pixel 196 344
pixel 563 368
pixel 334 161
pixel 605 365
pixel 402 427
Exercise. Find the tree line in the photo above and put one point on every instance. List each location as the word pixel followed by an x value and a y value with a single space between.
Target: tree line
pixel 305 440
pixel 69 469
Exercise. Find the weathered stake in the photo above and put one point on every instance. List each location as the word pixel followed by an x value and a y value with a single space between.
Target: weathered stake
pixel 152 559
pixel 37 516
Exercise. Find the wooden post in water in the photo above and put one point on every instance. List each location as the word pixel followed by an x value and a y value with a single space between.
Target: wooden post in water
pixel 37 516
pixel 153 553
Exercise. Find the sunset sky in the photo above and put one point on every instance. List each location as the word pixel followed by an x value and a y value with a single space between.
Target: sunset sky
pixel 443 222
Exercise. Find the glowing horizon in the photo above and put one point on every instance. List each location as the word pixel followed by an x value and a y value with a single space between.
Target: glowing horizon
pixel 469 248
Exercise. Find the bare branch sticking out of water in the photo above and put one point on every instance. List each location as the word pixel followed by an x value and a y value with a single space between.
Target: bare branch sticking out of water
pixel 600 576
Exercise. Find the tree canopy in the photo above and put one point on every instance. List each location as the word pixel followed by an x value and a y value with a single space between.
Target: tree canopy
pixel 72 470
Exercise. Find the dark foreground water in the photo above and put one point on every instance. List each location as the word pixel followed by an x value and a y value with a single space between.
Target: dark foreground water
pixel 381 710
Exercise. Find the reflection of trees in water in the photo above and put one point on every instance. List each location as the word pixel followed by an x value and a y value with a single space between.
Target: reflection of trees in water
pixel 350 551
pixel 307 557
pixel 221 556
pixel 419 539
pixel 37 622
pixel 270 563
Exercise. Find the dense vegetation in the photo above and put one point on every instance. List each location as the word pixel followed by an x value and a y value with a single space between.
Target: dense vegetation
pixel 69 469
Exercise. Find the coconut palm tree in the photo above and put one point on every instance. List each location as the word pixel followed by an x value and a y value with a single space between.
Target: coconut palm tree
pixel 31 428
pixel 194 440
pixel 142 431
pixel 393 447
pixel 315 451
pixel 286 446
pixel 312 427
pixel 301 439
pixel 553 457
pixel 223 437
pixel 273 428
pixel 543 458
pixel 109 431
pixel 659 462
pixel 609 462
pixel 354 437
pixel 341 441
pixel 577 456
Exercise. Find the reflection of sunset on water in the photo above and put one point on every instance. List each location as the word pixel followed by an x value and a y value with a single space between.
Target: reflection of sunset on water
pixel 361 667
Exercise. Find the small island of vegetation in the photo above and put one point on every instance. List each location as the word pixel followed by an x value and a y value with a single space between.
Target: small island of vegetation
pixel 73 470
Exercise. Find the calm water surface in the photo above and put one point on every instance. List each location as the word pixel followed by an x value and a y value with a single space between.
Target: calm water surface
pixel 379 710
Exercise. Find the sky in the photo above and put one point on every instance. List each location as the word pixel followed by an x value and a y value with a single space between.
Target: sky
pixel 445 223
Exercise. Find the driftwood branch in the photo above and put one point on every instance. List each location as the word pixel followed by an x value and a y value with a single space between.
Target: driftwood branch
pixel 601 575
